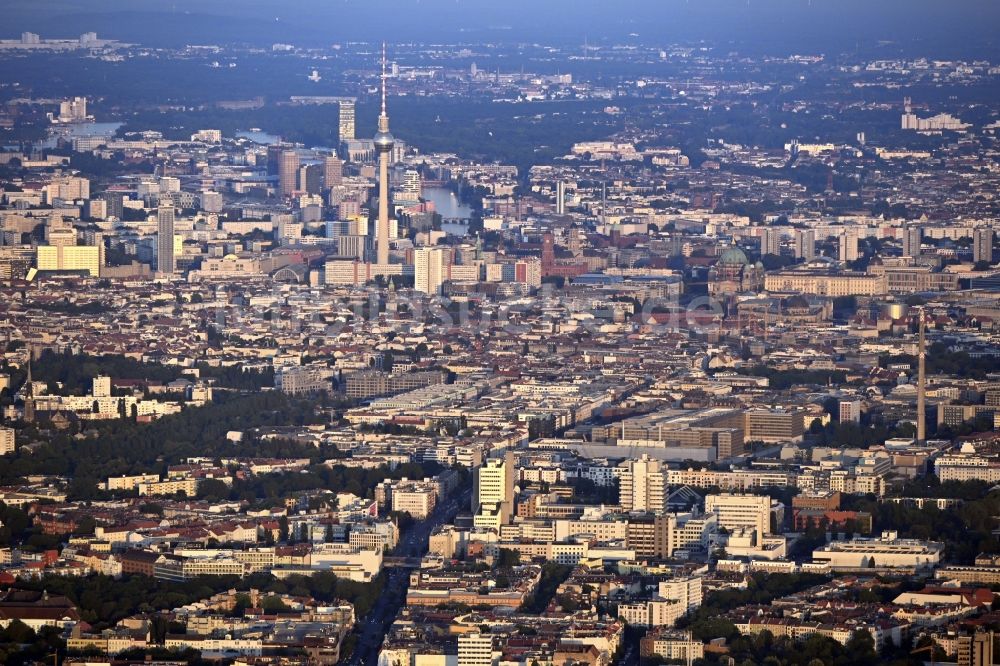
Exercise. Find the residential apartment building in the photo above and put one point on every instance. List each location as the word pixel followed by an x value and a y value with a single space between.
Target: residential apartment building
pixel 671 645
pixel 83 258
pixel 643 485
pixel 429 269
pixel 6 441
pixel 741 511
pixel 656 613
pixel 967 465
pixel 475 649
pixel 374 384
pixel 417 499
pixel 169 487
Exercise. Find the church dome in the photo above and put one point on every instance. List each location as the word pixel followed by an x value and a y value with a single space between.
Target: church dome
pixel 734 256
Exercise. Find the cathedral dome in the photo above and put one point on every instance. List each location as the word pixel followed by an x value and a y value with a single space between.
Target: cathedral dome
pixel 734 256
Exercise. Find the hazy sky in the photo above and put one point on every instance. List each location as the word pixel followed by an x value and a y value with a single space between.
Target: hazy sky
pixel 758 25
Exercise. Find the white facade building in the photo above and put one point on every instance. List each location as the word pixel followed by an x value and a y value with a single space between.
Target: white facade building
pixel 429 269
pixel 887 551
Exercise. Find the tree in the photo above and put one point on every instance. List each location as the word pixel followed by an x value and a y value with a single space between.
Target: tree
pixel 774 262
pixel 763 641
pixel 151 508
pixel 861 647
pixel 14 523
pixel 712 628
pixel 274 604
pixel 831 406
pixel 158 629
pixel 508 558
pixel 283 529
pixel 86 526
pixel 212 490
pixel 18 632
pixel 553 576
pixel 240 604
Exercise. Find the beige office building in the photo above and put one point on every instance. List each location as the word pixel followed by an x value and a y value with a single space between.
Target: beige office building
pixel 825 283
pixel 70 258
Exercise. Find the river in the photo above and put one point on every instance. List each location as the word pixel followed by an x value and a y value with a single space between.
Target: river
pixel 447 204
pixel 455 214
pixel 258 136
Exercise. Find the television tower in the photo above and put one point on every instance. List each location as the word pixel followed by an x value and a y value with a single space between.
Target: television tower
pixel 29 395
pixel 383 145
pixel 921 381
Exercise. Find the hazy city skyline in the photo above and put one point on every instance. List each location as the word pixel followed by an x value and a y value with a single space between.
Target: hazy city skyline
pixel 758 25
pixel 645 333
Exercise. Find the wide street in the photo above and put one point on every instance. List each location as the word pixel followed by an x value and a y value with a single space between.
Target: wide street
pixel 372 628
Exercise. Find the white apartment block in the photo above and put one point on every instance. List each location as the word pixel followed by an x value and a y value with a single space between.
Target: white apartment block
pixel 129 482
pixel 297 381
pixel 429 269
pixel 644 485
pixel 675 645
pixel 475 650
pixel 688 532
pixel 738 511
pixel 652 613
pixel 101 387
pixel 687 591
pixel 6 441
pixel 417 501
pixel 169 487
pixel 967 466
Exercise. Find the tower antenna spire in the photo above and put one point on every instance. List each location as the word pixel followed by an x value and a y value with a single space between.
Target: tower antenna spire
pixel 29 394
pixel 383 80
pixel 384 143
pixel 921 379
